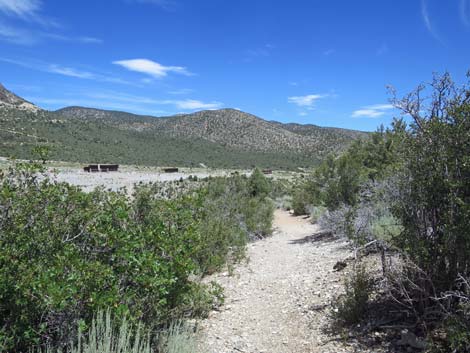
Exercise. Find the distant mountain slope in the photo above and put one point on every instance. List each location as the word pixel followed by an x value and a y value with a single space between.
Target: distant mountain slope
pixel 218 138
pixel 229 127
pixel 11 100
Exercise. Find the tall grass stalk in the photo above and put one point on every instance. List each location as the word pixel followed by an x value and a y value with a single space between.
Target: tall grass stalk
pixel 104 337
pixel 179 338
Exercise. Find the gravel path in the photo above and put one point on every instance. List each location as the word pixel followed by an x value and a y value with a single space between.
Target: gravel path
pixel 278 301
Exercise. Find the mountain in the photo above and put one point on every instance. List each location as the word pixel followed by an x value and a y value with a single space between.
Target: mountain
pixel 217 138
pixel 11 100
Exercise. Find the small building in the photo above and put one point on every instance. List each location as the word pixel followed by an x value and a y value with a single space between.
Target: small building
pixel 109 167
pixel 171 170
pixel 267 171
pixel 93 168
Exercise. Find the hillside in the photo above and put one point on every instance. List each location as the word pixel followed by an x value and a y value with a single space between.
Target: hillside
pixel 11 100
pixel 218 138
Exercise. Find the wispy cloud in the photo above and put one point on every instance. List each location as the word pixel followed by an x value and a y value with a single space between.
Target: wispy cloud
pixel 22 36
pixel 191 104
pixel 307 101
pixel 181 91
pixel 151 68
pixel 20 8
pixel 69 71
pixel 186 104
pixel 65 71
pixel 91 40
pixel 111 99
pixel 427 21
pixel 63 38
pixel 56 103
pixel 27 10
pixel 372 111
pixel 168 5
pixel 30 11
pixel 16 35
pixel 464 12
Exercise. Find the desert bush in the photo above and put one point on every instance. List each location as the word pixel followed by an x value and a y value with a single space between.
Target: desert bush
pixel 351 307
pixel 339 221
pixel 300 202
pixel 316 212
pixel 283 202
pixel 434 189
pixel 177 338
pixel 259 185
pixel 67 254
pixel 280 188
pixel 259 215
pixel 386 228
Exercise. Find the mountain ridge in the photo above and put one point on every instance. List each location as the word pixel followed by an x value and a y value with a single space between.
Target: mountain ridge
pixel 224 137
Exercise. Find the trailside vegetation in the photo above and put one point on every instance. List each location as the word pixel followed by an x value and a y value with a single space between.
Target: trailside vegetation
pixel 68 255
pixel 406 190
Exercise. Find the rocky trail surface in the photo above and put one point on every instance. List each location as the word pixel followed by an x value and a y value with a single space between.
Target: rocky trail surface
pixel 278 302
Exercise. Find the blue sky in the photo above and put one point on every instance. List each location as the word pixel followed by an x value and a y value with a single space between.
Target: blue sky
pixel 307 61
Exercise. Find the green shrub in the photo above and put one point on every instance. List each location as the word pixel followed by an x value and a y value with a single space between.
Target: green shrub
pixel 433 202
pixel 300 202
pixel 67 254
pixel 386 228
pixel 201 299
pixel 259 185
pixel 351 307
pixel 284 202
pixel 316 212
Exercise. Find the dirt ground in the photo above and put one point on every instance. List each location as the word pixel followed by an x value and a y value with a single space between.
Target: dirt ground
pixel 278 302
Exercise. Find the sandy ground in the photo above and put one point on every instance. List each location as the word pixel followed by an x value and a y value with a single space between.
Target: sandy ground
pixel 278 301
pixel 123 178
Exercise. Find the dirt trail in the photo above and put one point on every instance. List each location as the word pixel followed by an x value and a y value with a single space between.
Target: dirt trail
pixel 275 303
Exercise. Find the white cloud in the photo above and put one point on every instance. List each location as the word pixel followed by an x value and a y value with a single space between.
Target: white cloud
pixel 95 103
pixel 65 71
pixel 20 8
pixel 68 71
pixel 63 38
pixel 303 113
pixel 187 104
pixel 191 104
pixel 307 101
pixel 427 20
pixel 151 68
pixel 27 10
pixel 372 111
